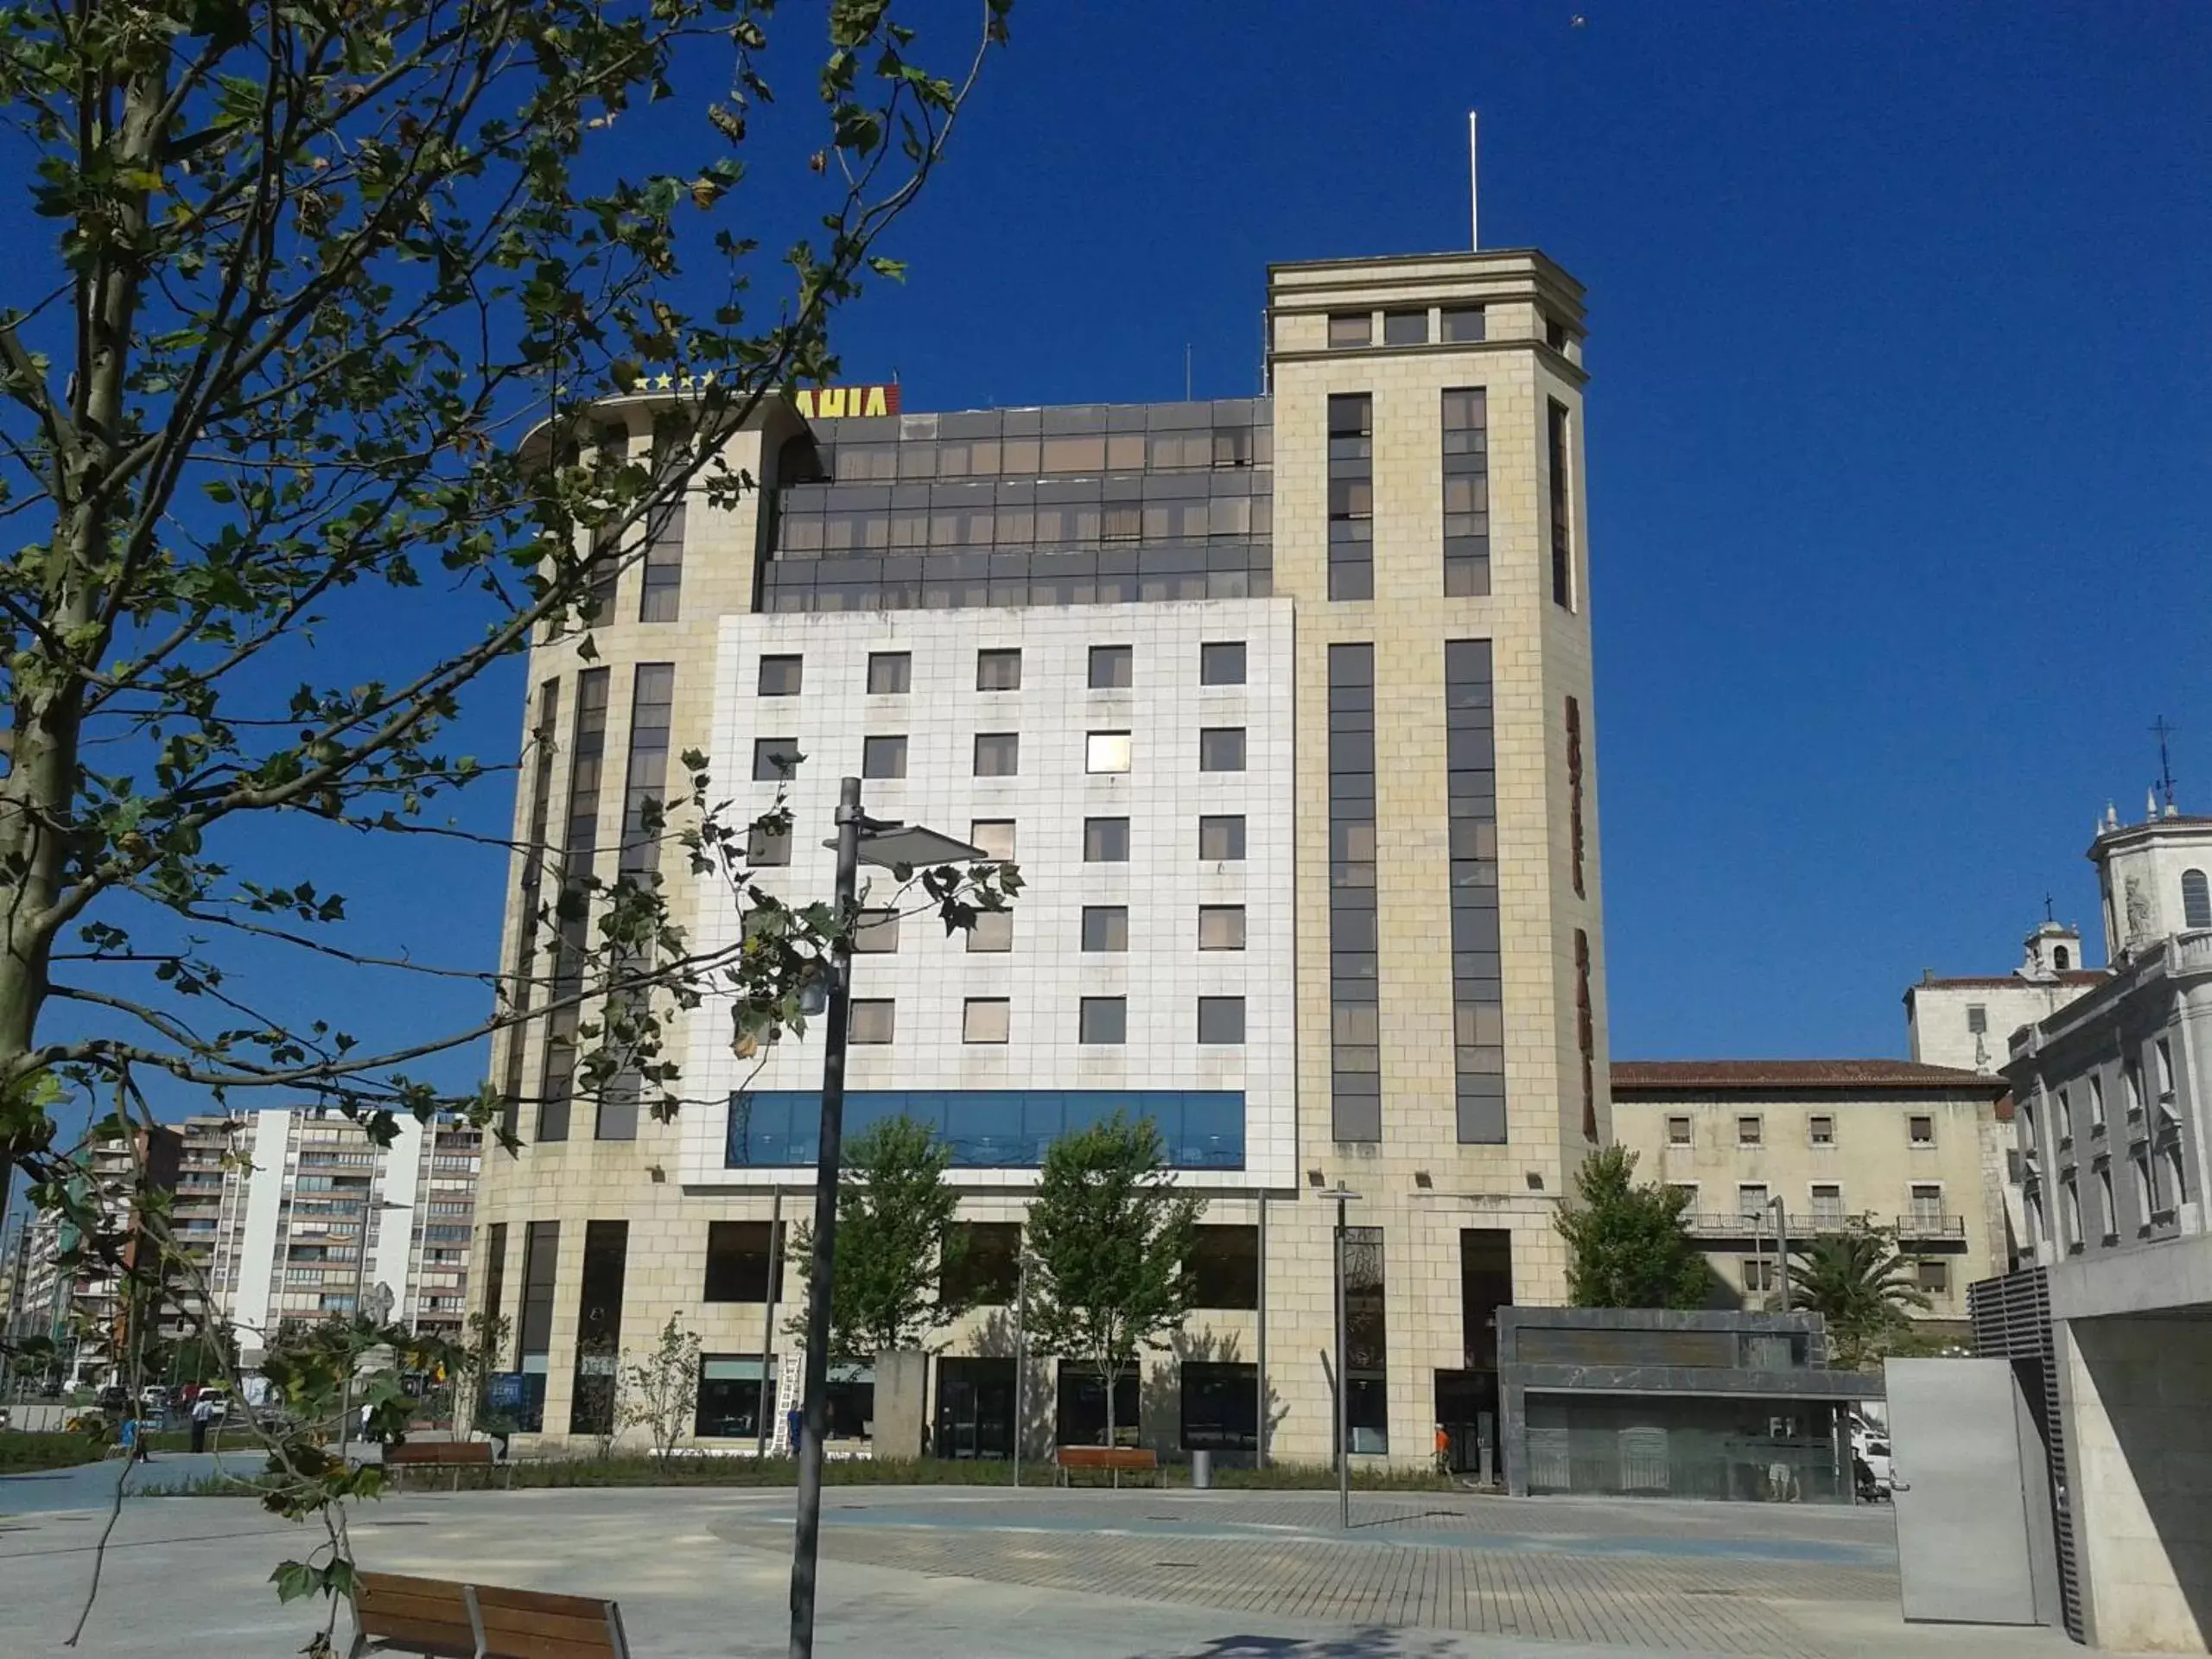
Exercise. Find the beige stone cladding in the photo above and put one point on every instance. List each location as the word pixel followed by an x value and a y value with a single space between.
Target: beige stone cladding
pixel 1418 1184
pixel 1901 1142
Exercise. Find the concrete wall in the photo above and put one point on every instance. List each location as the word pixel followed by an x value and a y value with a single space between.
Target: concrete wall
pixel 2138 1397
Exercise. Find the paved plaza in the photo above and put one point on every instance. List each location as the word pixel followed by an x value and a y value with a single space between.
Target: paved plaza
pixel 987 1573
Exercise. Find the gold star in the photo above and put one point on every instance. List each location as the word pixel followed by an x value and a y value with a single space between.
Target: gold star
pixel 661 383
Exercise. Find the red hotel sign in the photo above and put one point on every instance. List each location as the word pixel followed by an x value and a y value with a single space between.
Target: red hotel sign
pixel 837 403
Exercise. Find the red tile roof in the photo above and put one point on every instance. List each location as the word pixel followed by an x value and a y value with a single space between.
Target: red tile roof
pixel 1631 1076
pixel 2011 982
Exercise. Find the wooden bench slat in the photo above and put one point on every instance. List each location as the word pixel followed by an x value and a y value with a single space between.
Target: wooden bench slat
pixel 560 1627
pixel 512 1645
pixel 462 1452
pixel 440 1641
pixel 489 1596
pixel 422 1609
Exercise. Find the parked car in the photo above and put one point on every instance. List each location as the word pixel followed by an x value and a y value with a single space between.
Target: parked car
pixel 153 1400
pixel 114 1398
pixel 218 1403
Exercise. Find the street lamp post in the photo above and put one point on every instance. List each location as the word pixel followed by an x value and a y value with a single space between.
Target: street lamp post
pixel 1020 1356
pixel 890 845
pixel 1781 1247
pixel 1342 1195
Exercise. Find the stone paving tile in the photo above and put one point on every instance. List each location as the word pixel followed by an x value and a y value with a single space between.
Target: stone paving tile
pixel 1659 1579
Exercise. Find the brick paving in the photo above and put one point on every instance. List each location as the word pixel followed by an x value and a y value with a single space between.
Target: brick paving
pixel 1706 1579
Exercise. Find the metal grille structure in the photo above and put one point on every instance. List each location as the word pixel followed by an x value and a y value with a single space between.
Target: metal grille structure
pixel 2012 1320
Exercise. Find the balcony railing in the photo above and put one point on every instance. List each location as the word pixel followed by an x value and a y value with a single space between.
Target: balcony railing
pixel 1803 1223
pixel 1925 1225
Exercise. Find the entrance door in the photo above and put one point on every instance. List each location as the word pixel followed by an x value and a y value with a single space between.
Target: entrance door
pixel 974 1412
pixel 1964 1533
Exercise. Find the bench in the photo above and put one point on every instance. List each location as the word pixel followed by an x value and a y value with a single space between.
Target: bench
pixel 1115 1459
pixel 455 1455
pixel 445 1619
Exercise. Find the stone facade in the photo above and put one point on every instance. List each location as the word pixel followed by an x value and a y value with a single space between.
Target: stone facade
pixel 1418 1184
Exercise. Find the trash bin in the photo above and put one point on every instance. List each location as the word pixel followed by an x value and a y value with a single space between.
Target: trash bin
pixel 1201 1470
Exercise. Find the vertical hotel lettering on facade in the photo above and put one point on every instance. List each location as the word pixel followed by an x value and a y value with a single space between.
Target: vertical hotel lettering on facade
pixel 1283 706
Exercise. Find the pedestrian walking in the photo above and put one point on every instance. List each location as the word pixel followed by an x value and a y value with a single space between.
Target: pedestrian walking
pixel 203 1413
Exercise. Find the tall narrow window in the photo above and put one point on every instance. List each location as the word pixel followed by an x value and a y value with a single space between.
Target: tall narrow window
pixel 662 598
pixel 1356 1053
pixel 645 790
pixel 1367 1349
pixel 1466 491
pixel 1351 496
pixel 1477 985
pixel 532 894
pixel 579 851
pixel 2195 899
pixel 495 1282
pixel 1562 516
pixel 1586 1033
pixel 599 1327
pixel 541 1257
pixel 605 543
pixel 1574 790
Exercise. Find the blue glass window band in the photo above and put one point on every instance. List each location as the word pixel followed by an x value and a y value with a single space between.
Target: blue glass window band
pixel 989 1128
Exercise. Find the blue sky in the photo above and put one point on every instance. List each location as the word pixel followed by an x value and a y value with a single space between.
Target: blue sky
pixel 1898 441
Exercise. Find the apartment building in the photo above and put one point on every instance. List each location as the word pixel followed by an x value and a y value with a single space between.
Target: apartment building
pixel 1900 1143
pixel 1282 703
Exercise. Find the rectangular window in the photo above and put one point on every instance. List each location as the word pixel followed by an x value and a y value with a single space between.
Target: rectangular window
pixel 1921 1131
pixel 1356 1054
pixel 645 790
pixel 1221 927
pixel 1752 1198
pixel 1977 1019
pixel 883 757
pixel 1221 1020
pixel 1366 1343
pixel 875 933
pixel 1349 328
pixel 1574 790
pixel 662 600
pixel 1106 841
pixel 541 1251
pixel 1106 752
pixel 1105 927
pixel 2162 1049
pixel 536 856
pixel 2069 1214
pixel 992 932
pixel 1758 1273
pixel 982 1264
pixel 1221 1406
pixel 775 758
pixel 599 1327
pixel 737 1397
pixel 1405 327
pixel 1221 839
pixel 1105 1019
pixel 781 677
pixel 1466 491
pixel 1477 983
pixel 741 1261
pixel 1926 1204
pixel 1224 1266
pixel 495 1279
pixel 1749 1131
pixel 1113 668
pixel 1556 447
pixel 1821 1129
pixel 1678 1131
pixel 1222 662
pixel 998 754
pixel 768 846
pixel 872 1019
pixel 986 1019
pixel 580 851
pixel 1351 496
pixel 1220 748
pixel 993 836
pixel 998 670
pixel 1827 1204
pixel 1933 1275
pixel 2097 1104
pixel 890 673
pixel 1464 325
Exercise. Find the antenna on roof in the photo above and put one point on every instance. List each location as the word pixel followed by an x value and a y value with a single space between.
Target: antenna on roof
pixel 2160 730
pixel 1474 187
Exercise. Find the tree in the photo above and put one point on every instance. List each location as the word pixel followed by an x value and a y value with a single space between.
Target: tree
pixel 1861 1285
pixel 1627 1243
pixel 469 1367
pixel 314 270
pixel 895 1242
pixel 1111 1238
pixel 660 1391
